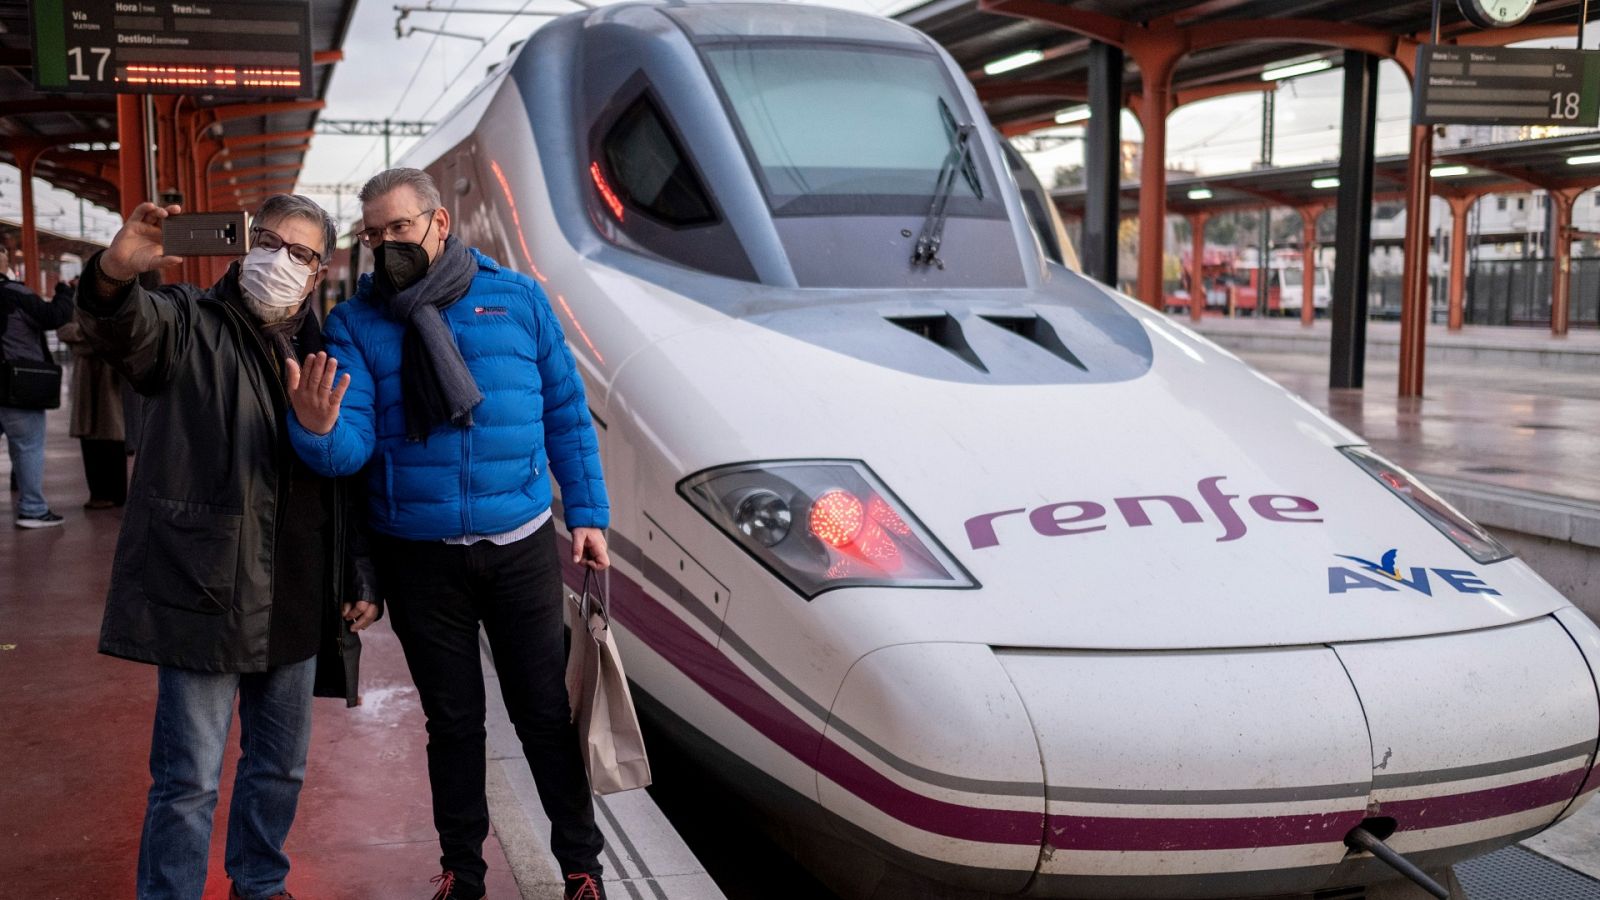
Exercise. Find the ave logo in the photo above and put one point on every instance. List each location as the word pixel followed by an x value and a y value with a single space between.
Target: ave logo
pixel 1386 575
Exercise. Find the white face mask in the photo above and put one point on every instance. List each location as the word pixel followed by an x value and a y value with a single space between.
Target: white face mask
pixel 273 283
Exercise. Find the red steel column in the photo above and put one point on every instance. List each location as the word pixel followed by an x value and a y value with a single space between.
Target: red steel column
pixel 1308 264
pixel 1197 265
pixel 169 165
pixel 130 155
pixel 167 144
pixel 26 156
pixel 1414 277
pixel 1561 279
pixel 1156 63
pixel 1460 208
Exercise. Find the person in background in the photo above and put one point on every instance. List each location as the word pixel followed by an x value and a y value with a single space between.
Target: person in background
pixel 464 398
pixel 24 318
pixel 235 564
pixel 97 416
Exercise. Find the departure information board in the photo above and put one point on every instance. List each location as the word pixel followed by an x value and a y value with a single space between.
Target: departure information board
pixel 144 47
pixel 1506 86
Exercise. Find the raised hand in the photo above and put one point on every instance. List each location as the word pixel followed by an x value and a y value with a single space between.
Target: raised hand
pixel 314 394
pixel 137 247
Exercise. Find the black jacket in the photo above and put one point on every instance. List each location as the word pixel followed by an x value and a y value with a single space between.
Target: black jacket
pixel 25 317
pixel 192 580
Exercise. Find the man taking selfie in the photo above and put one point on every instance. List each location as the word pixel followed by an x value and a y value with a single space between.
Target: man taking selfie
pixel 233 567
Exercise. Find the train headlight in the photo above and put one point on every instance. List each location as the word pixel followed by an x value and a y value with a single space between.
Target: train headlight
pixel 1471 537
pixel 763 516
pixel 823 524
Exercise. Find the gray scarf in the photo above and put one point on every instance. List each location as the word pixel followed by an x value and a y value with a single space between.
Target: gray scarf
pixel 436 386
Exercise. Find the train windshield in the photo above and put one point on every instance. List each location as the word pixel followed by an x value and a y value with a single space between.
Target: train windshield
pixel 841 129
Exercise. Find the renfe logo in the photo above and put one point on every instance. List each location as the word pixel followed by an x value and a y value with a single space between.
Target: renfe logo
pixel 1342 578
pixel 1074 516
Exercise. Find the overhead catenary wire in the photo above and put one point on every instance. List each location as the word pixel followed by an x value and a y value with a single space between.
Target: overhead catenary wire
pixel 467 66
pixel 415 74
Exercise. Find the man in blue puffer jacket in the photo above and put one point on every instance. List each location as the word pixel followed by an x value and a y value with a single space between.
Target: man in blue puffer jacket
pixel 459 398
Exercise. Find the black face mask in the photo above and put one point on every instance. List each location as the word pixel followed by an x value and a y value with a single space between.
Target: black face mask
pixel 398 265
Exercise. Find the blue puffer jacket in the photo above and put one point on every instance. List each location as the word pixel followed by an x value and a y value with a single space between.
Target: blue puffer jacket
pixel 487 479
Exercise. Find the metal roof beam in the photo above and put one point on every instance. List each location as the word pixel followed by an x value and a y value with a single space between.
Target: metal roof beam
pixel 250 140
pixel 232 176
pixel 1057 88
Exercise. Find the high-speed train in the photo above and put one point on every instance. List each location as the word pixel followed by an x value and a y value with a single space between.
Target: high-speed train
pixel 979 577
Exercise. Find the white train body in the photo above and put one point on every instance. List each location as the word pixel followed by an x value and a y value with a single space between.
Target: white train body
pixel 1122 631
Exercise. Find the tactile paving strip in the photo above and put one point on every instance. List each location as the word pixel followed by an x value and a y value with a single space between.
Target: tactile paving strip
pixel 1518 874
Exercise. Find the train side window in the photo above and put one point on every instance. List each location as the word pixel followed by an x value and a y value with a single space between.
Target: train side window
pixel 652 172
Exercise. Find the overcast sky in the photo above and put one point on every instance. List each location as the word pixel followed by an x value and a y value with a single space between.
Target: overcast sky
pixel 421 76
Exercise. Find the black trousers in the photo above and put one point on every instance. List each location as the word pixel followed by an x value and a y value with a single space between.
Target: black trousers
pixel 105 467
pixel 437 595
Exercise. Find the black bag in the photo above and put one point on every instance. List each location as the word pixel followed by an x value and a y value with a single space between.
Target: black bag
pixel 25 384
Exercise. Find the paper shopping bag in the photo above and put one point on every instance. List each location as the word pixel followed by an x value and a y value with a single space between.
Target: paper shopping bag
pixel 597 688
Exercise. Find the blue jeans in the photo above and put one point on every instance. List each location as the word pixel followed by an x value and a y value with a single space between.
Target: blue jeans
pixel 24 431
pixel 193 713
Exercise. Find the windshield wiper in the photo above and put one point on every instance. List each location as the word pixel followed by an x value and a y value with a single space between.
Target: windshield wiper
pixel 926 251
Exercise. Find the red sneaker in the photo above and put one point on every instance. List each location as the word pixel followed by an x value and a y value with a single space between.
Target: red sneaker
pixel 583 886
pixel 452 889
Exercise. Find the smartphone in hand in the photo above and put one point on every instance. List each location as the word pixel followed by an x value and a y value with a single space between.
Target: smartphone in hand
pixel 205 234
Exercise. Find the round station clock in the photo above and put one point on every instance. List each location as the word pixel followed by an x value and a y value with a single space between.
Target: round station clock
pixel 1495 13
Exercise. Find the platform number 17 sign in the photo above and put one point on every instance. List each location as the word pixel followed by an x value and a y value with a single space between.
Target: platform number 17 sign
pixel 147 47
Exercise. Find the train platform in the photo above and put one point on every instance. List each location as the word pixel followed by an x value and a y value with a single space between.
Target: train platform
pixel 75 732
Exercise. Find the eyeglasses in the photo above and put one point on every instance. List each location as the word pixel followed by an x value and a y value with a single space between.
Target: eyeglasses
pixel 271 241
pixel 399 228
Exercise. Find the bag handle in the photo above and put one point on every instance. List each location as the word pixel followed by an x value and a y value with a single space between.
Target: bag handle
pixel 593 599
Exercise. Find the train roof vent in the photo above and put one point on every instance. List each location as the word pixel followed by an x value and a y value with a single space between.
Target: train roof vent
pixel 943 330
pixel 1040 332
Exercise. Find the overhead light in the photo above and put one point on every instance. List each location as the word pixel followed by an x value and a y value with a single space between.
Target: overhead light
pixel 1299 68
pixel 1583 160
pixel 1200 194
pixel 1076 114
pixel 1323 184
pixel 1448 171
pixel 1015 61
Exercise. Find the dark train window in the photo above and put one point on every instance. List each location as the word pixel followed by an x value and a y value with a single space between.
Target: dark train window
pixel 653 174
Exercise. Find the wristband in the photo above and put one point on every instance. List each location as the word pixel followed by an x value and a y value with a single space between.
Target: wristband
pixel 113 283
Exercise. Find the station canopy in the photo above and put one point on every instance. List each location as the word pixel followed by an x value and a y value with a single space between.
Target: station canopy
pixel 52 243
pixel 978 35
pixel 1565 162
pixel 83 127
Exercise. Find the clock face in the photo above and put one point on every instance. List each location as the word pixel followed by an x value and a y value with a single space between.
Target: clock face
pixel 1496 13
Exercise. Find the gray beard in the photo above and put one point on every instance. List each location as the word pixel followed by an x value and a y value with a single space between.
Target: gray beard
pixel 266 313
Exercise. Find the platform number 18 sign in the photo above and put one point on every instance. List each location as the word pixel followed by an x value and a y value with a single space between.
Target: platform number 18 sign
pixel 1506 85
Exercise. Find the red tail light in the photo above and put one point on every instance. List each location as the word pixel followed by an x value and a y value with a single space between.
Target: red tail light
pixel 837 517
